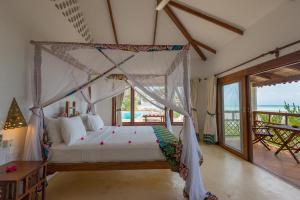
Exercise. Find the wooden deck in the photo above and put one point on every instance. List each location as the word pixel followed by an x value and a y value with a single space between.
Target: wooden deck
pixel 282 165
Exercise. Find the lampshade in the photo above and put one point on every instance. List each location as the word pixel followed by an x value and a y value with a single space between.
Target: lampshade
pixel 15 118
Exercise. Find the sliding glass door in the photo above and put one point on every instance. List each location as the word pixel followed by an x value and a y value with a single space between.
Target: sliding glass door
pixel 233 116
pixel 232 131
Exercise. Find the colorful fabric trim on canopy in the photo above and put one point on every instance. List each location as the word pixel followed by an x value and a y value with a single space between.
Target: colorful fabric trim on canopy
pixel 171 147
pixel 147 48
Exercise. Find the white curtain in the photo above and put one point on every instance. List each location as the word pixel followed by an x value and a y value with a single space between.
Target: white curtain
pixel 50 84
pixel 195 86
pixel 210 126
pixel 179 100
pixel 33 149
pixel 119 100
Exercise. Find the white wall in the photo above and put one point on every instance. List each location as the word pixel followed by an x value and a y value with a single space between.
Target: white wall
pixel 19 25
pixel 278 28
pixel 12 75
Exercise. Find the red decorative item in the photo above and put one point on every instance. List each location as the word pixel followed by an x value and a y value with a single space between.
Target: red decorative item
pixel 101 143
pixel 129 142
pixel 157 141
pixel 11 168
pixel 82 138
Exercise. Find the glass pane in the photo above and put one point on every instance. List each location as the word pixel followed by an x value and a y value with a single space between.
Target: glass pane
pixel 126 114
pixel 232 112
pixel 177 117
pixel 144 111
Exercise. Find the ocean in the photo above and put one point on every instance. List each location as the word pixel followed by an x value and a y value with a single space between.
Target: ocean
pixel 273 108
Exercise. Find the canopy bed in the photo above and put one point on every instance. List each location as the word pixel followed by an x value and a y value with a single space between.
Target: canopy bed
pixel 160 73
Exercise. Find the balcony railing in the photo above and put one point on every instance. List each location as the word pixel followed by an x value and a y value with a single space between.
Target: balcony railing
pixel 232 123
pixel 262 118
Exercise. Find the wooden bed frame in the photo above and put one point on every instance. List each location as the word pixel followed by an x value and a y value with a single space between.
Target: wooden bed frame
pixel 70 111
pixel 102 166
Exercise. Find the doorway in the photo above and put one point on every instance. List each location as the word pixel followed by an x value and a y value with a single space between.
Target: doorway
pixel 276 121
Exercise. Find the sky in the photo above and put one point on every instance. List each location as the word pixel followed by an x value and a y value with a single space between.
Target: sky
pixel 231 96
pixel 277 94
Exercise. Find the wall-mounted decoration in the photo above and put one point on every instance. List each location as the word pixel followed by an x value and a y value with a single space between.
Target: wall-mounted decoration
pixel 71 11
pixel 15 118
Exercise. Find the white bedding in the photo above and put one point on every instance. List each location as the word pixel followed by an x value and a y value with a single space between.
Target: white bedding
pixel 110 144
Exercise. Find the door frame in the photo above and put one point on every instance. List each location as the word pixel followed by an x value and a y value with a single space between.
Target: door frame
pixel 282 61
pixel 243 115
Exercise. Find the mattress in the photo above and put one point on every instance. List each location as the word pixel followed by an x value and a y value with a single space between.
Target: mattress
pixel 110 144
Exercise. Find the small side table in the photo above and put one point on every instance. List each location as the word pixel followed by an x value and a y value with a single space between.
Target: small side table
pixel 25 183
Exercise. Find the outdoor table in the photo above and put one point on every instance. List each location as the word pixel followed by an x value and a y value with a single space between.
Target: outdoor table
pixel 294 132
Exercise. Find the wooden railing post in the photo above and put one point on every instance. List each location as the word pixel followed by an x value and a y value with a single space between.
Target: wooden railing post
pixel 254 114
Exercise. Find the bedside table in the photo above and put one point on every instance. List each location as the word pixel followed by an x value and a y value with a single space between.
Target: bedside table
pixel 24 183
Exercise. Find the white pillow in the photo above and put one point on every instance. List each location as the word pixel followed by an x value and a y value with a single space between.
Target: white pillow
pixel 53 130
pixel 72 129
pixel 94 122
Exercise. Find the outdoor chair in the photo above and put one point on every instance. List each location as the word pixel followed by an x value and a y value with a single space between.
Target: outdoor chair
pixel 260 134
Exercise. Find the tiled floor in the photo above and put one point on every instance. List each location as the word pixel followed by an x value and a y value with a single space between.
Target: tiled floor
pixel 282 165
pixel 229 177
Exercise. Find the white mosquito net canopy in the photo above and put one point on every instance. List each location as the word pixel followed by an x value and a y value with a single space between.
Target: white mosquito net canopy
pixel 159 73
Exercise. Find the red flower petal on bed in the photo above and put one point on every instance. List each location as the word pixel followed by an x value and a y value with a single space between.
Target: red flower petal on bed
pixel 113 132
pixel 82 138
pixel 157 141
pixel 129 142
pixel 101 143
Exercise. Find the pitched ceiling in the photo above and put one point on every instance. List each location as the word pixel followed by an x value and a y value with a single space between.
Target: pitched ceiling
pixel 134 20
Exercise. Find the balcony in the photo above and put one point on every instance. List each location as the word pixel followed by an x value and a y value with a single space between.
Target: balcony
pixel 282 164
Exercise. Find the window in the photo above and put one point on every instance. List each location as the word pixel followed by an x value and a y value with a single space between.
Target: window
pixel 126 106
pixel 144 111
pixel 177 117
pixel 136 110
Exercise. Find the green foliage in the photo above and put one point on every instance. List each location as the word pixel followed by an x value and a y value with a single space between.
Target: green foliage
pixel 126 104
pixel 293 109
pixel 277 119
pixel 176 114
pixel 264 117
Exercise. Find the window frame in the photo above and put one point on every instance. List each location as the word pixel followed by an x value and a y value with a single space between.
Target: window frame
pixel 132 108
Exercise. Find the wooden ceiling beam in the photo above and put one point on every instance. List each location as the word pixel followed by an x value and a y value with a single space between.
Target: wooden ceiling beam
pixel 277 81
pixel 155 25
pixel 295 67
pixel 184 31
pixel 263 76
pixel 204 46
pixel 204 16
pixel 269 75
pixel 112 21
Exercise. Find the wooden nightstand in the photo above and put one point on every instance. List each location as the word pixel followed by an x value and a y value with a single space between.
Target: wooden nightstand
pixel 24 183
